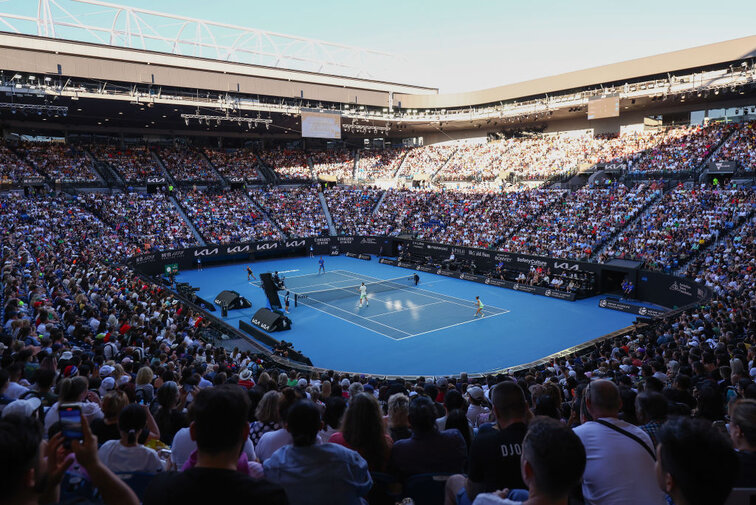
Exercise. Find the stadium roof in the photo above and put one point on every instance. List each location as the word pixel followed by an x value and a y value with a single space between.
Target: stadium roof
pixel 661 64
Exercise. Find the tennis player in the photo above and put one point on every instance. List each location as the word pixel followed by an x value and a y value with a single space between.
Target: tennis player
pixel 480 307
pixel 250 273
pixel 321 262
pixel 363 295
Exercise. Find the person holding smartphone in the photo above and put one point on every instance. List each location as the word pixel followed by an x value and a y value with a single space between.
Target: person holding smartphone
pixel 34 468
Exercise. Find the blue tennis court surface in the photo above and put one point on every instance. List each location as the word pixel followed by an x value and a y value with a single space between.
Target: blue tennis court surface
pixel 428 329
pixel 396 309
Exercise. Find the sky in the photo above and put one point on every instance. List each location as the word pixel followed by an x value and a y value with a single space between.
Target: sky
pixel 474 44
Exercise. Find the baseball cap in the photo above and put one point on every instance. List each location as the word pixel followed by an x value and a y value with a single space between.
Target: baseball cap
pixel 302 383
pixel 24 408
pixel 475 393
pixel 106 370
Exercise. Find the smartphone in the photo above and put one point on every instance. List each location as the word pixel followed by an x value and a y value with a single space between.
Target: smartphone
pixel 70 420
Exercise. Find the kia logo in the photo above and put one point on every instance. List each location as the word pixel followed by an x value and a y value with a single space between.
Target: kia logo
pixel 206 252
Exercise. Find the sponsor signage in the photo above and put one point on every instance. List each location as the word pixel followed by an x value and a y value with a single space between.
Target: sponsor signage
pixel 498 282
pixel 427 269
pixel 345 240
pixel 565 265
pixel 156 180
pixel 172 255
pixel 237 249
pixel 294 243
pixel 615 304
pixel 387 261
pixel 33 180
pixel 368 241
pixel 206 252
pixel 527 288
pixel 322 240
pixel 365 257
pixel 261 324
pixel 266 246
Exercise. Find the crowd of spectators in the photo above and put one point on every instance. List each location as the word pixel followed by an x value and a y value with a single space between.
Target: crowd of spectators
pixel 227 217
pixel 235 163
pixel 187 165
pixel 379 164
pixel 213 424
pixel 740 147
pixel 576 226
pixel 682 149
pixel 297 210
pixel 352 209
pixel 149 220
pixel 133 163
pixel 13 168
pixel 60 162
pixel 680 224
pixel 426 159
pixel 289 164
pixel 338 163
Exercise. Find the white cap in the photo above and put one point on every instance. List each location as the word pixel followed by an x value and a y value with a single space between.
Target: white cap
pixel 24 408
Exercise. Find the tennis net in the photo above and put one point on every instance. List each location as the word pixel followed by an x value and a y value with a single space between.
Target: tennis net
pixel 353 290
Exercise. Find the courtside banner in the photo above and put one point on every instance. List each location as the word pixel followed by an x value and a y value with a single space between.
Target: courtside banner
pixel 614 304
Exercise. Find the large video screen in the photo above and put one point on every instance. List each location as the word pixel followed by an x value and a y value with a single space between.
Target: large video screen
pixel 603 107
pixel 321 125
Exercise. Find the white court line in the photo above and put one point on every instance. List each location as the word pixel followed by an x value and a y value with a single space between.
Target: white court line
pixel 449 326
pixel 356 315
pixel 466 304
pixel 352 322
pixel 402 310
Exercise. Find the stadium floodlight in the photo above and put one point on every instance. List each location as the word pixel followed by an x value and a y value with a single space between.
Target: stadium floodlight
pixel 219 119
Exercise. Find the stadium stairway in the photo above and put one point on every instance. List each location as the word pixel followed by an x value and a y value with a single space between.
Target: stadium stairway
pixel 224 181
pixel 265 214
pixel 268 173
pixel 195 231
pixel 443 165
pixel 324 204
pixel 680 270
pixel 379 202
pixel 401 165
pixel 34 166
pixel 163 168
pixel 702 166
pixel 311 164
pixel 354 165
pixel 613 238
pixel 106 172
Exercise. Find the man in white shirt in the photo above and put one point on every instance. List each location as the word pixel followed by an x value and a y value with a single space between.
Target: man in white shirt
pixel 621 457
pixel 15 389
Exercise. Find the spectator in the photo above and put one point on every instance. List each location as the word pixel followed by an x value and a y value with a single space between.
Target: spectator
pixel 31 472
pixel 398 417
pixel 107 428
pixel 651 411
pixel 220 428
pixel 428 450
pixel 696 465
pixel 268 416
pixel 170 416
pixel 316 473
pixel 363 430
pixel 127 454
pixel 620 455
pixel 743 434
pixel 495 454
pixel 335 406
pixel 552 463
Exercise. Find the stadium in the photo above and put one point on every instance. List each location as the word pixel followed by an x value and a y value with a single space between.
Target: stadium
pixel 210 219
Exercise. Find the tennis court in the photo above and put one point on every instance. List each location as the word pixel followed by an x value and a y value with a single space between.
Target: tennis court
pixel 397 308
pixel 408 330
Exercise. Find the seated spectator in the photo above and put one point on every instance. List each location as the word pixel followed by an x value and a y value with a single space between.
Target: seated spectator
pixel 552 463
pixel 621 457
pixel 743 434
pixel 335 406
pixel 363 431
pixel 427 450
pixel 478 408
pixel 220 428
pixel 127 454
pixel 316 473
pixel 398 417
pixel 32 471
pixel 107 428
pixel 651 412
pixel 170 416
pixel 695 463
pixel 495 454
pixel 268 416
pixel 75 390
